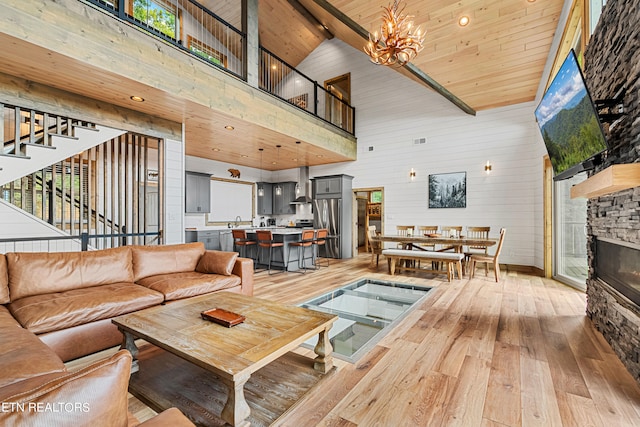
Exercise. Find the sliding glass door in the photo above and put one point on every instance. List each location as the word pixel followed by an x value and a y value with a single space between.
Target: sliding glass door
pixel 570 219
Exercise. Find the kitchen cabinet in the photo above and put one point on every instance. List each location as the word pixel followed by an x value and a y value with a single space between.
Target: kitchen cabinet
pixel 197 193
pixel 226 240
pixel 282 203
pixel 327 187
pixel 210 238
pixel 265 203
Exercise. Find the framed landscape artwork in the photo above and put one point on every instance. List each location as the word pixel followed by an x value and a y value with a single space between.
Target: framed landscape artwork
pixel 448 190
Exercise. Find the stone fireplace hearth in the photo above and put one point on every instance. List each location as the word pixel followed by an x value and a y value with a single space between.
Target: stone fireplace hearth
pixel 612 62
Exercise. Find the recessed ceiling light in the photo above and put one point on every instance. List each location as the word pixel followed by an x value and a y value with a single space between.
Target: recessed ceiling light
pixel 229 127
pixel 136 98
pixel 244 155
pixel 215 149
pixel 463 21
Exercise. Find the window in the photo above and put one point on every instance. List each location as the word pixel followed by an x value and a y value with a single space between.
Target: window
pixel 206 52
pixel 157 14
pixel 376 197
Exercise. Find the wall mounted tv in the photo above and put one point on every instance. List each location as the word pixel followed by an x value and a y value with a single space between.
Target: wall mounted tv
pixel 569 122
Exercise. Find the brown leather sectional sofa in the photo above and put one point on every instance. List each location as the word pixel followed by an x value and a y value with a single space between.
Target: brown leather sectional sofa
pixel 56 307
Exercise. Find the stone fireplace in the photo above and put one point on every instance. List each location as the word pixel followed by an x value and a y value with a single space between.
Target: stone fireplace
pixel 612 62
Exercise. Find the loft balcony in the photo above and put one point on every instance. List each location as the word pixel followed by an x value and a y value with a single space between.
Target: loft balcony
pixel 197 75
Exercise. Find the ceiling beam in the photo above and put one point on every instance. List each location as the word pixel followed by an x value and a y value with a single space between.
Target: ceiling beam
pixel 317 25
pixel 418 73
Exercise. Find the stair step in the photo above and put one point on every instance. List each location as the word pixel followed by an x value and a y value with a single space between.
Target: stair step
pixel 63 136
pixel 31 144
pixel 85 127
pixel 15 156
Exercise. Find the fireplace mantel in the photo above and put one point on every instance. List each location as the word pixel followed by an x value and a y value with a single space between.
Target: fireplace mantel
pixel 612 179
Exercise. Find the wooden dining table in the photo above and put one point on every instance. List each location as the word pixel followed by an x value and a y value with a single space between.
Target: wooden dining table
pixel 414 242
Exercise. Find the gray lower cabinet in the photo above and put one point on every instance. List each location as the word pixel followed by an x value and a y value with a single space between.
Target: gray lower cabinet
pixel 210 238
pixel 197 193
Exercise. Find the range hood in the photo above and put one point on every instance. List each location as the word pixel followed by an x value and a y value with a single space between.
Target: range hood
pixel 305 187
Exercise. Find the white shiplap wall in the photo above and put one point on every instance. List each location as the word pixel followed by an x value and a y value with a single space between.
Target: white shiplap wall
pixel 174 191
pixel 392 111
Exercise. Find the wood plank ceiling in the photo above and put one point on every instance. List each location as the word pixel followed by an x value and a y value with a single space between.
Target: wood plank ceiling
pixel 494 61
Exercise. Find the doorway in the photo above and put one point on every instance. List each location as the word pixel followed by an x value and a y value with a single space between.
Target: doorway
pixel 369 210
pixel 335 106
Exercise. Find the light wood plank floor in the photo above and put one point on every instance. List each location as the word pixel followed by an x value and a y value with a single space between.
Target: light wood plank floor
pixel 476 353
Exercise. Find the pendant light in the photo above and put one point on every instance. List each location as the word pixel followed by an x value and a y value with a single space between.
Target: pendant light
pixel 298 160
pixel 278 188
pixel 260 187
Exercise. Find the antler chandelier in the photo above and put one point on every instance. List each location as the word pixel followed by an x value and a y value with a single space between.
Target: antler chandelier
pixel 398 43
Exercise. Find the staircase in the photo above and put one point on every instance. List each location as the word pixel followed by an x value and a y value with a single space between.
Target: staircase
pixel 77 178
pixel 31 140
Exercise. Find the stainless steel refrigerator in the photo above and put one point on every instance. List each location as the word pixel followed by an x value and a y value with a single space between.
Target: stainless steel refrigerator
pixel 327 213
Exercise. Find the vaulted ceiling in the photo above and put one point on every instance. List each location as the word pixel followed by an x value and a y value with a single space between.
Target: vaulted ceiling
pixel 495 60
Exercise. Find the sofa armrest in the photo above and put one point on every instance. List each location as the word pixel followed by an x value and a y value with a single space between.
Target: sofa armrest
pixel 172 417
pixel 94 396
pixel 244 269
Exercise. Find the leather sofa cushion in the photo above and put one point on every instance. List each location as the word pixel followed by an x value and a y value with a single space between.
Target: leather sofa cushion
pixel 52 312
pixel 154 260
pixel 217 262
pixel 94 396
pixel 23 355
pixel 4 280
pixel 40 273
pixel 182 285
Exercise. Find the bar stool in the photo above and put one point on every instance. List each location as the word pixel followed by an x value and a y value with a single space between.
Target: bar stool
pixel 321 240
pixel 241 243
pixel 305 242
pixel 265 240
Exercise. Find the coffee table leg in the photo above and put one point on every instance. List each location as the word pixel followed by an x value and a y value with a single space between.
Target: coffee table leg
pixel 324 362
pixel 236 410
pixel 128 343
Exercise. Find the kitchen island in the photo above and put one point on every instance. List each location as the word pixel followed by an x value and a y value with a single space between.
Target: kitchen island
pixel 220 239
pixel 279 255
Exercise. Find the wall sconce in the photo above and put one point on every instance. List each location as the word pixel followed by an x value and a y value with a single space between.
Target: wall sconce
pixel 487 167
pixel 412 174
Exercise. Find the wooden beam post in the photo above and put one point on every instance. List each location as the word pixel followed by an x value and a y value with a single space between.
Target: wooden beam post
pixel 252 44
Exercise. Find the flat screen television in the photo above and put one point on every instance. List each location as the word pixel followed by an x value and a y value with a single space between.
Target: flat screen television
pixel 569 122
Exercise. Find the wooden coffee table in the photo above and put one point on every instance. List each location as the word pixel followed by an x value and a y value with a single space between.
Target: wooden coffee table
pixel 233 354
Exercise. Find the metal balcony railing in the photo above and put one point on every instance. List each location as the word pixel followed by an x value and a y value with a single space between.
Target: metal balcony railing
pixel 198 31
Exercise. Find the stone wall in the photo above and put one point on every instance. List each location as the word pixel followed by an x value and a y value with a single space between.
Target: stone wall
pixel 612 60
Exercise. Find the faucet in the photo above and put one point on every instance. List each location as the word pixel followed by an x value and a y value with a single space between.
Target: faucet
pixel 238 220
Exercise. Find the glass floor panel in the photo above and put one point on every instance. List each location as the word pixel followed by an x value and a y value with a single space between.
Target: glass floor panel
pixel 367 309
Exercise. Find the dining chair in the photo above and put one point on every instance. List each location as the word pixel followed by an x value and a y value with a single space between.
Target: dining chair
pixel 450 231
pixel 424 230
pixel 476 258
pixel 476 233
pixel 374 246
pixel 404 230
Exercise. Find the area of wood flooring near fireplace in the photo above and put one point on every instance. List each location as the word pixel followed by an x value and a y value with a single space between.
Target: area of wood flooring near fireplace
pixel 520 352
